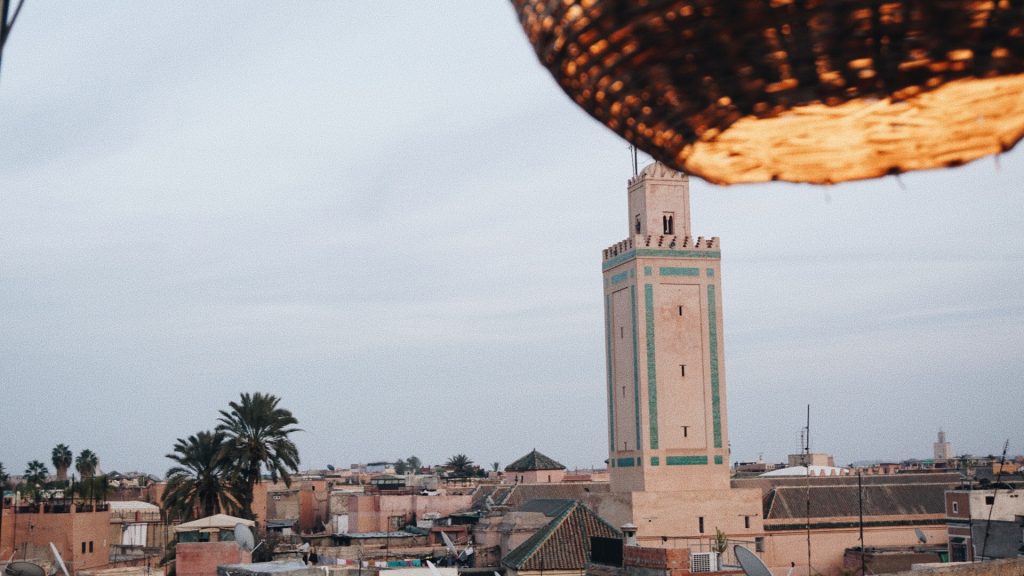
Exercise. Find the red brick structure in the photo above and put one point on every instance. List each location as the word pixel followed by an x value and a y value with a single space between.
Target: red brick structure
pixel 202 558
pixel 80 534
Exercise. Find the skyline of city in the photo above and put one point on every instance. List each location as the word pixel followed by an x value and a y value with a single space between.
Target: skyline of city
pixel 393 221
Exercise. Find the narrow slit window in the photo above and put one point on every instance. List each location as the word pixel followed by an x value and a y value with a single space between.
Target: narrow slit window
pixel 700 524
pixel 682 370
pixel 680 310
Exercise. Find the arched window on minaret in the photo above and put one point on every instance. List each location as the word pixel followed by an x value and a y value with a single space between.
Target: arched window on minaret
pixel 666 223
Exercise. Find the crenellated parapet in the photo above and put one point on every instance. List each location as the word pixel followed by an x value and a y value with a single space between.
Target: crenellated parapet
pixel 688 243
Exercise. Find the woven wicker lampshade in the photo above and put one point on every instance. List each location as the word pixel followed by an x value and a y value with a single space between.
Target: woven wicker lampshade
pixel 814 91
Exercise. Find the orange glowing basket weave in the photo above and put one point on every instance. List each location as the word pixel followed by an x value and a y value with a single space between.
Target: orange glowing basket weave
pixel 806 91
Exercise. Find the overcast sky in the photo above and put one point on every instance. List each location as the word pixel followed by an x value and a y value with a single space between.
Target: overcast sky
pixel 389 215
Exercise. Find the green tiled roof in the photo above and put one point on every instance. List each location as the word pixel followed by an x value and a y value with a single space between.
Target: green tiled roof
pixel 564 544
pixel 533 461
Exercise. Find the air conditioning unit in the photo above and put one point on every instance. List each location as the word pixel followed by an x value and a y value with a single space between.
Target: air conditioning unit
pixel 704 562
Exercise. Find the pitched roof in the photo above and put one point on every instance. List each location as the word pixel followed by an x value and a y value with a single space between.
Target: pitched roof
pixel 522 493
pixel 564 543
pixel 217 521
pixel 533 461
pixel 790 502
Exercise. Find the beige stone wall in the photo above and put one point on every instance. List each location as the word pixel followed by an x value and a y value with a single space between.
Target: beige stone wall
pixel 829 545
pixel 371 512
pixel 1009 567
pixel 676 515
pixel 541 476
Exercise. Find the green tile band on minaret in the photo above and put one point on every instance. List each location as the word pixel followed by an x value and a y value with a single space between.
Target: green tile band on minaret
pixel 652 380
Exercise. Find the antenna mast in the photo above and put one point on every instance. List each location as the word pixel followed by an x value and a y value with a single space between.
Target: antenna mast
pixel 995 489
pixel 806 448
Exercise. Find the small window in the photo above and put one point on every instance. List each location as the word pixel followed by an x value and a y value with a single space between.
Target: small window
pixel 636 224
pixel 746 521
pixel 759 544
pixel 90 546
pixel 682 370
pixel 990 500
pixel 667 225
pixel 680 310
pixel 700 524
pixel 956 507
pixel 83 547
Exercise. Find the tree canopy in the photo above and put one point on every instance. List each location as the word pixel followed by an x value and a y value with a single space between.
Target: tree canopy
pixel 257 431
pixel 199 485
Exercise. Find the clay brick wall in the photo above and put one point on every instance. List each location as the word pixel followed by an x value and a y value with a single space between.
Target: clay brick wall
pixel 670 559
pixel 202 558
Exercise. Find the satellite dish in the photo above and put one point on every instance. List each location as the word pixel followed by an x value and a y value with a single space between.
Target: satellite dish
pixel 330 467
pixel 244 537
pixel 22 568
pixel 920 536
pixel 751 564
pixel 449 544
pixel 60 561
pixel 433 569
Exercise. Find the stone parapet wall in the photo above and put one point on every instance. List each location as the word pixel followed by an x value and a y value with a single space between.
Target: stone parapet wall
pixel 1007 567
pixel 662 242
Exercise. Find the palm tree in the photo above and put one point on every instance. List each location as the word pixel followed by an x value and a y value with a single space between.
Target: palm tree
pixel 86 463
pixel 199 483
pixel 4 477
pixel 413 463
pixel 459 464
pixel 257 431
pixel 61 458
pixel 36 474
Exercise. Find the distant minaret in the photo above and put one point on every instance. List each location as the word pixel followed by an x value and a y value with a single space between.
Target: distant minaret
pixel 943 449
pixel 663 323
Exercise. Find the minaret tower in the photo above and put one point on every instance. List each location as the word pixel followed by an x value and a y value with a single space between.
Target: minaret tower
pixel 667 428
